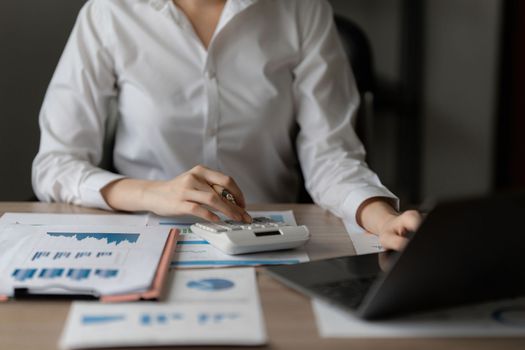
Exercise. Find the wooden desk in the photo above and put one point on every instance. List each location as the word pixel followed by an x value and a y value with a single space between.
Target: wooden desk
pixel 289 317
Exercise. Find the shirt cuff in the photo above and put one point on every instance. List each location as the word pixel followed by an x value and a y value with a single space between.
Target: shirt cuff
pixel 357 197
pixel 90 190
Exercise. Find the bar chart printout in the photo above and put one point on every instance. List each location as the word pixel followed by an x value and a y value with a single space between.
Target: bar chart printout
pixel 100 260
pixel 202 307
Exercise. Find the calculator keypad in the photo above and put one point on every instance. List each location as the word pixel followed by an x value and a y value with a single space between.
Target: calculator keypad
pixel 231 225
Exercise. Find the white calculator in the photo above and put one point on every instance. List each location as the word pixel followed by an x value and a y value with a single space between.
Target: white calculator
pixel 262 234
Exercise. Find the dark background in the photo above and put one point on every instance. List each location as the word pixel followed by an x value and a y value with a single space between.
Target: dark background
pixel 449 104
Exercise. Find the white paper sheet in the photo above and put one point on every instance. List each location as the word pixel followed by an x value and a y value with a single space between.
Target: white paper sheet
pixel 498 319
pixel 203 307
pixel 364 243
pixel 193 251
pixel 79 259
pixel 72 219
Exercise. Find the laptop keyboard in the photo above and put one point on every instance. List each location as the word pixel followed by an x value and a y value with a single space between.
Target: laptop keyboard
pixel 347 292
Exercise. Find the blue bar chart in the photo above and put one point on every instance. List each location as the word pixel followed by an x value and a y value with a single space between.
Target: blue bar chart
pixel 22 275
pixel 106 273
pixel 78 274
pixel 75 274
pixel 51 273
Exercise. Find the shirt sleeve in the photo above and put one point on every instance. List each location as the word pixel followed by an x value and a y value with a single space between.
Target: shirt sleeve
pixel 73 117
pixel 331 155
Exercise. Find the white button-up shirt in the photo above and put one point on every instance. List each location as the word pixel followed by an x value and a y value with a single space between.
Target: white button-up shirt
pixel 273 87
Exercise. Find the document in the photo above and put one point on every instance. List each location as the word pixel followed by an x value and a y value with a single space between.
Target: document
pixel 496 319
pixel 192 251
pixel 203 307
pixel 364 242
pixel 72 219
pixel 70 259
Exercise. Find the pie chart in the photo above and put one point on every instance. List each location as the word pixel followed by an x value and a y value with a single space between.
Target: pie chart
pixel 211 284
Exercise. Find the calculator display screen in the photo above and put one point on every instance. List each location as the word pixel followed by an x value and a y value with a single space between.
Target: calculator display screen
pixel 267 233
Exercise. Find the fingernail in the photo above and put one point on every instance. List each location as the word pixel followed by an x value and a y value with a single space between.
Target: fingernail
pixel 247 218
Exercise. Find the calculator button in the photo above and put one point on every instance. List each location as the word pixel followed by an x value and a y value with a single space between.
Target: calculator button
pixel 212 227
pixel 233 222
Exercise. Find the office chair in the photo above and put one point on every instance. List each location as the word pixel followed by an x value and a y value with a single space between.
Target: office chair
pixel 359 52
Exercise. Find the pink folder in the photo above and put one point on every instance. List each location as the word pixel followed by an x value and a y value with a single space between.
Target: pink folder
pixel 160 276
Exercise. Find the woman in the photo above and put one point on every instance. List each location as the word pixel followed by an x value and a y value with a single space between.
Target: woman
pixel 206 88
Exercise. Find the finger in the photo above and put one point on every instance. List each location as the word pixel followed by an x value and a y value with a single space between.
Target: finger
pixel 227 197
pixel 216 178
pixel 201 185
pixel 409 221
pixel 218 191
pixel 214 201
pixel 385 260
pixel 198 210
pixel 224 193
pixel 393 241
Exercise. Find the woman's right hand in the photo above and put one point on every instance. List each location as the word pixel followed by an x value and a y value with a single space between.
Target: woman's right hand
pixel 190 193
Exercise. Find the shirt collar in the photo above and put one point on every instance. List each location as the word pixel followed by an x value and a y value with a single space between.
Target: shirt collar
pixel 159 4
pixel 239 5
pixel 232 6
pixel 231 9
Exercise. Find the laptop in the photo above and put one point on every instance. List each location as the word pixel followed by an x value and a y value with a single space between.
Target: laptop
pixel 465 251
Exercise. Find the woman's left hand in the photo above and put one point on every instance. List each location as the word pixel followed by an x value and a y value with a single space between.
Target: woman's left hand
pixel 394 231
pixel 378 216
